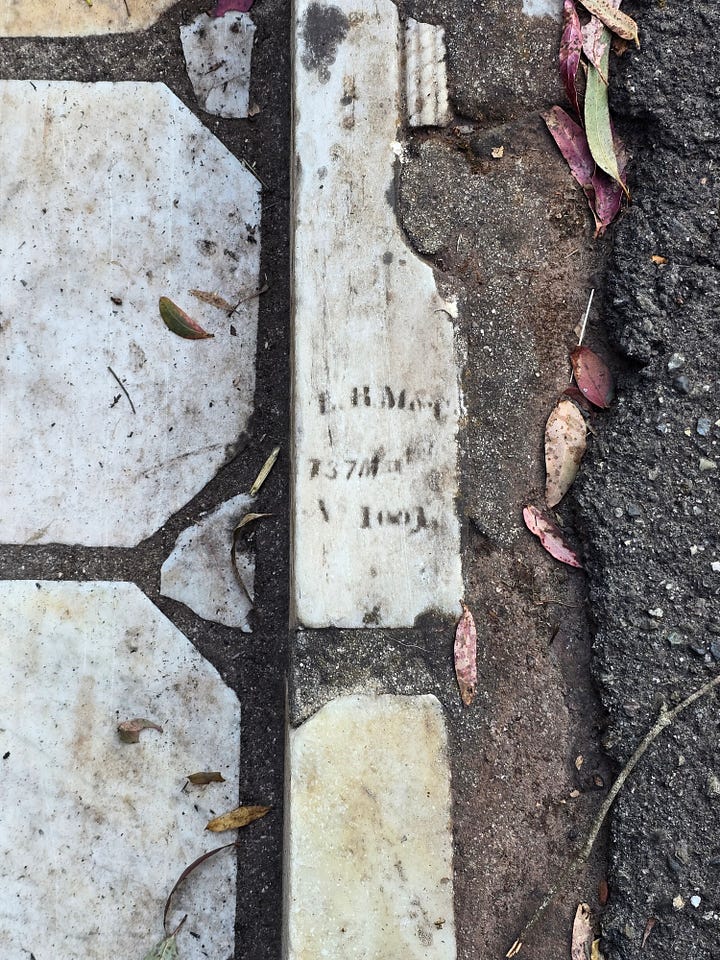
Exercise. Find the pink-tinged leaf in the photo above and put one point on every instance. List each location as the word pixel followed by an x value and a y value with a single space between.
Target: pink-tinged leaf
pixel 570 48
pixel 593 377
pixel 226 6
pixel 565 443
pixel 620 23
pixel 572 143
pixel 466 656
pixel 550 536
pixel 582 934
pixel 596 43
pixel 129 730
pixel 180 323
pixel 608 200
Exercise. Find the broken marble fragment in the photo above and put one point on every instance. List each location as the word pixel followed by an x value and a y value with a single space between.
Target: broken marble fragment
pixel 77 18
pixel 218 53
pixel 426 75
pixel 200 573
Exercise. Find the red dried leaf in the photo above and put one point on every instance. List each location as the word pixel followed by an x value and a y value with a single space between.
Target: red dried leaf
pixel 226 6
pixel 593 377
pixel 550 536
pixel 129 730
pixel 180 323
pixel 570 48
pixel 579 398
pixel 603 892
pixel 572 143
pixel 596 42
pixel 466 656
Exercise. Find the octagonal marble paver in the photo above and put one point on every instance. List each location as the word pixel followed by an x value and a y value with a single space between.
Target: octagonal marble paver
pixel 113 195
pixel 72 18
pixel 93 831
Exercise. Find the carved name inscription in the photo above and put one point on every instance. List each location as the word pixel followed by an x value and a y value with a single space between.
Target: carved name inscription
pixel 376 400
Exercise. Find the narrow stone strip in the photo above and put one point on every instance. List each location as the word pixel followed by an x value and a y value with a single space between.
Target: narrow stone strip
pixel 376 397
pixel 369 850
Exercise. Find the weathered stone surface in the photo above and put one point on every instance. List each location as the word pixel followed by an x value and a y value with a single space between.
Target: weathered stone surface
pixel 115 195
pixel 369 853
pixel 95 831
pixel 72 18
pixel 218 53
pixel 426 75
pixel 200 572
pixel 376 394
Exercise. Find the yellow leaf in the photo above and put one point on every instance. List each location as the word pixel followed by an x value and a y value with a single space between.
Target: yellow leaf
pixel 234 819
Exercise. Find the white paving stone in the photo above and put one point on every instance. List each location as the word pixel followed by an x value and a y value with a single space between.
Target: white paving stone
pixel 68 18
pixel 199 572
pixel 218 53
pixel 369 849
pixel 93 831
pixel 117 191
pixel 376 397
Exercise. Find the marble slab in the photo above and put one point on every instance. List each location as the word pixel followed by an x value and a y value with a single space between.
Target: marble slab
pixel 218 54
pixel 376 396
pixel 114 195
pixel 76 18
pixel 369 836
pixel 426 75
pixel 93 831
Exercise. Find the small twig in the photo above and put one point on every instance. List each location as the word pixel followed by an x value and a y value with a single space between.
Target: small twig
pixel 186 872
pixel 264 471
pixel 258 293
pixel 560 603
pixel 584 325
pixel 662 723
pixel 122 387
pixel 253 171
pixel 127 10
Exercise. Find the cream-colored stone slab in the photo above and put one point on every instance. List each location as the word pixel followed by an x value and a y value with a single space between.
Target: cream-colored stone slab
pixel 199 572
pixel 218 52
pixel 426 75
pixel 113 195
pixel 376 398
pixel 75 18
pixel 369 839
pixel 94 832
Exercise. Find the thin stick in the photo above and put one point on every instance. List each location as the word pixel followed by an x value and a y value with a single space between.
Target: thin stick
pixel 662 723
pixel 122 387
pixel 264 471
pixel 585 318
pixel 188 870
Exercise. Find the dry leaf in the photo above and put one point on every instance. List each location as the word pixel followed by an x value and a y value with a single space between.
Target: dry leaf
pixel 570 48
pixel 206 776
pixel 240 817
pixel 180 323
pixel 582 934
pixel 550 536
pixel 603 892
pixel 167 948
pixel 593 376
pixel 225 6
pixel 597 123
pixel 572 143
pixel 595 951
pixel 620 23
pixel 129 730
pixel 657 259
pixel 214 299
pixel 647 931
pixel 596 42
pixel 565 443
pixel 466 656
pixel 264 471
pixel 498 152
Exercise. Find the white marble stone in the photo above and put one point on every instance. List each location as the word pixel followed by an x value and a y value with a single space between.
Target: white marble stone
pixel 376 396
pixel 218 53
pixel 542 8
pixel 199 572
pixel 369 837
pixel 69 18
pixel 112 196
pixel 426 75
pixel 94 832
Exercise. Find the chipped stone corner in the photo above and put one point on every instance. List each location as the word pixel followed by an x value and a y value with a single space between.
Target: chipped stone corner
pixel 218 56
pixel 77 18
pixel 426 75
